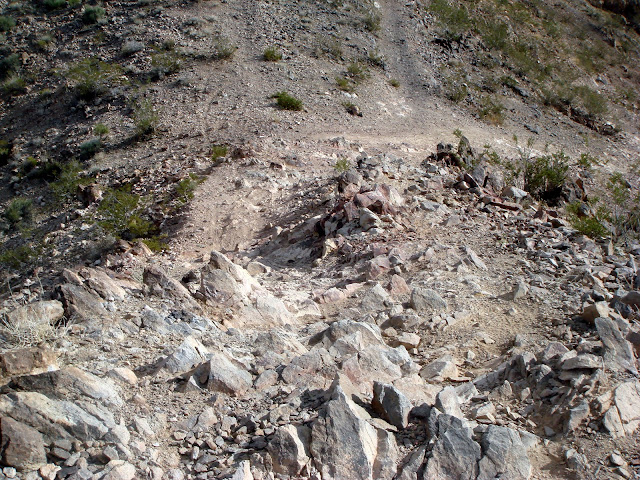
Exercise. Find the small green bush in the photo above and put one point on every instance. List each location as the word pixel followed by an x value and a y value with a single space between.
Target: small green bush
pixel 9 64
pixel 14 85
pixel 66 179
pixel 44 41
pixel 394 82
pixel 457 92
pixel 122 215
pixel 165 63
pixel 342 165
pixel 185 188
pixel 6 23
pixel 357 71
pixel 376 59
pixel 6 148
pixel 146 119
pixel 54 4
pixel 272 54
pixel 287 102
pixel 19 213
pixel 345 84
pixel 543 175
pixel 218 152
pixel 594 103
pixel 223 49
pixel 92 14
pixel 92 77
pixel 100 129
pixel 89 148
pixel 589 226
pixel 28 165
pixel 491 110
pixel 332 47
pixel 74 3
pixel 18 256
pixel 372 22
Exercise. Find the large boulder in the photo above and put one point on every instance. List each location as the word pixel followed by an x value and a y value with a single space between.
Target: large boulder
pixel 289 449
pixel 26 361
pixel 455 454
pixel 226 284
pixel 504 455
pixel 162 285
pixel 221 373
pixel 425 300
pixel 345 445
pixel 21 446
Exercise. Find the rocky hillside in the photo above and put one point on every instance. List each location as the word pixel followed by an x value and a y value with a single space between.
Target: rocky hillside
pixel 320 240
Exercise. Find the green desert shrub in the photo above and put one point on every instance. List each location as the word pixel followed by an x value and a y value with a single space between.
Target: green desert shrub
pixel 14 85
pixel 90 147
pixel 122 214
pixel 342 165
pixel 92 77
pixel 100 129
pixel 6 23
pixel 54 4
pixel 19 213
pixel 9 64
pixel 287 102
pixel 92 14
pixel 544 174
pixel 272 54
pixel 223 49
pixel 372 21
pixel 146 119
pixel 218 152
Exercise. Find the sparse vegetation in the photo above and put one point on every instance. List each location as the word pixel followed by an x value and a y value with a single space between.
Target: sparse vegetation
pixel 491 110
pixel 332 46
pixel 287 102
pixel 92 77
pixel 218 152
pixel 9 64
pixel 372 21
pixel 545 174
pixel 123 215
pixel 186 187
pixel 29 330
pixel 66 179
pixel 146 119
pixel 376 59
pixel 6 23
pixel 14 85
pixel 342 165
pixel 223 49
pixel 17 256
pixel 54 4
pixel 90 147
pixel 394 82
pixel 100 129
pixel 165 63
pixel 5 151
pixel 92 14
pixel 19 213
pixel 588 225
pixel 345 84
pixel 272 54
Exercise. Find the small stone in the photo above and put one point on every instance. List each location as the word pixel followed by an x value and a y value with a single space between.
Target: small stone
pixel 425 300
pixel 593 311
pixel 617 460
pixel 442 368
pixel 124 375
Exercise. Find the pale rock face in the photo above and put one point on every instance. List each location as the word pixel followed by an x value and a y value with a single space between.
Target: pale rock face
pixel 345 446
